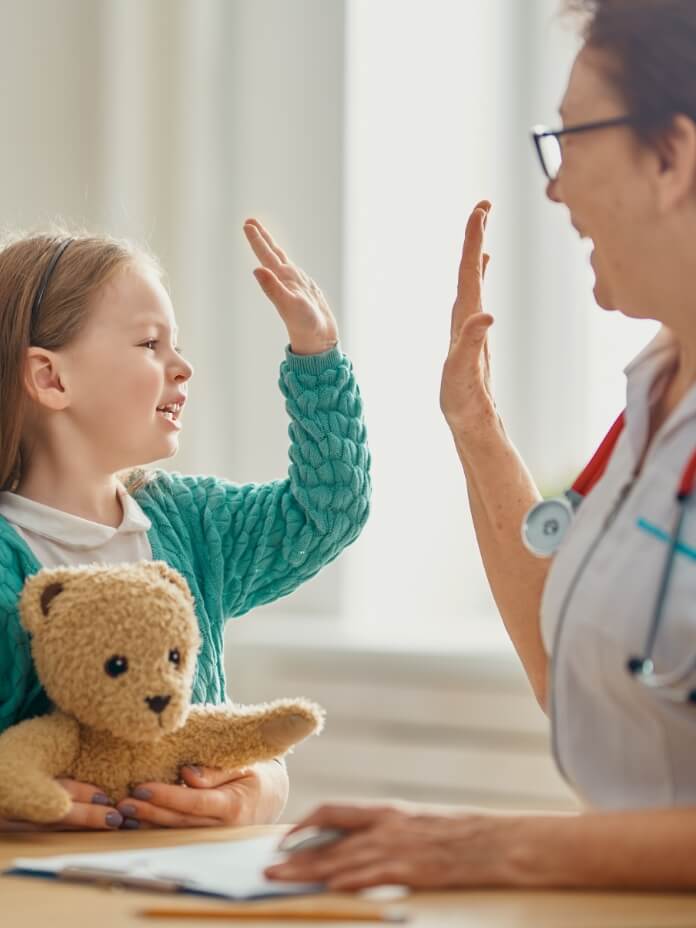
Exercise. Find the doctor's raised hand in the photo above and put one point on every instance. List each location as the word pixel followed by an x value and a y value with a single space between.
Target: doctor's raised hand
pixel 500 489
pixel 300 303
pixel 465 396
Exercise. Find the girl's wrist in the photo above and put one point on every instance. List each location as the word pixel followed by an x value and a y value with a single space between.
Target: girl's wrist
pixel 274 786
pixel 305 348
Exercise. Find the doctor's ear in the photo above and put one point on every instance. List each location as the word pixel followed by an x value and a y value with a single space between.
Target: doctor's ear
pixel 676 151
pixel 42 378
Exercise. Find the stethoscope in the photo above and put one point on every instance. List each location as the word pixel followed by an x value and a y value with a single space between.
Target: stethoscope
pixel 547 522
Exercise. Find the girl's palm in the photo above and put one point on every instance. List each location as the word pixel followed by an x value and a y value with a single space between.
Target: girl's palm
pixel 300 303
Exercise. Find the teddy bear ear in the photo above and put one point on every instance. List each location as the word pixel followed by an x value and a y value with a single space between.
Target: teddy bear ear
pixel 39 592
pixel 168 573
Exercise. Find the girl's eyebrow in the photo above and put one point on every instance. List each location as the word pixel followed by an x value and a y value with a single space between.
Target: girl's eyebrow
pixel 145 321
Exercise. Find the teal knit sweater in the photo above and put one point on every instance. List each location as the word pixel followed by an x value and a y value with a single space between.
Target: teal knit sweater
pixel 237 546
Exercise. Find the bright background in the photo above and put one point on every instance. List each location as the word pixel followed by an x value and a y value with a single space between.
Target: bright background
pixel 361 132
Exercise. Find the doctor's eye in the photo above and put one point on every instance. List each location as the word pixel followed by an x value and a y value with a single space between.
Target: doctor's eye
pixel 175 657
pixel 116 665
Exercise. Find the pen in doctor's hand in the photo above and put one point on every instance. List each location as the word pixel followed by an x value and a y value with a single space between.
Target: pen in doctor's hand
pixel 310 839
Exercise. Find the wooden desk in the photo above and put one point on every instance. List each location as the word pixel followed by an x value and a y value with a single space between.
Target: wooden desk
pixel 36 903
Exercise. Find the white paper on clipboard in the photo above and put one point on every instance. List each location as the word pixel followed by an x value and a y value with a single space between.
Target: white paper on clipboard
pixel 230 869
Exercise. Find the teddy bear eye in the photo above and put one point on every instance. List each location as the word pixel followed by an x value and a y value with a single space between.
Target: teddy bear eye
pixel 174 656
pixel 116 665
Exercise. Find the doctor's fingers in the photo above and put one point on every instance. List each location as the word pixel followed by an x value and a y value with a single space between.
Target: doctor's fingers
pixel 471 268
pixel 347 816
pixel 323 870
pixel 469 349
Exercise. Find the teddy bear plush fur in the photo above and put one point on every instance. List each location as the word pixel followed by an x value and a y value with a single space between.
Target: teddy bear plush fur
pixel 115 649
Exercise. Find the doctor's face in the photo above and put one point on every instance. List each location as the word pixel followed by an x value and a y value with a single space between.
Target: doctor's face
pixel 605 181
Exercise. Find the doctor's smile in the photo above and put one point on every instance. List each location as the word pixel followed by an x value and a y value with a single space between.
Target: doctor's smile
pixel 596 588
pixel 473 588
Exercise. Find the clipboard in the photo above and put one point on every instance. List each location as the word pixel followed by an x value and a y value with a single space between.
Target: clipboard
pixel 223 869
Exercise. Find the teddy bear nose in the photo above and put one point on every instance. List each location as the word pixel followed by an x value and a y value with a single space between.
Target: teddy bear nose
pixel 157 703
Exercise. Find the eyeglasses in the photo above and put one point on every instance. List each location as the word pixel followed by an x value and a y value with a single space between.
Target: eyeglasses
pixel 548 145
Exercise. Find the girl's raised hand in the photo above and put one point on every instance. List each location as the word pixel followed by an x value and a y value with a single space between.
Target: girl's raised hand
pixel 300 303
pixel 465 396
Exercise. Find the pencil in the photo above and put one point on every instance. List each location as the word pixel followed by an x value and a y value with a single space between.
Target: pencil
pixel 355 910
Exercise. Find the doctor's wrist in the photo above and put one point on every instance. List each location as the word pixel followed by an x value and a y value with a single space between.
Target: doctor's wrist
pixel 478 442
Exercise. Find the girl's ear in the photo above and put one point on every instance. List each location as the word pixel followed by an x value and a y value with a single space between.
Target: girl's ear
pixel 40 593
pixel 42 378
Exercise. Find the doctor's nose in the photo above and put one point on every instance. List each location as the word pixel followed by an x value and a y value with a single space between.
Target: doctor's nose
pixel 552 191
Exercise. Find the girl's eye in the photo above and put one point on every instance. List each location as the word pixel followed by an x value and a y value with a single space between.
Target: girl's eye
pixel 150 343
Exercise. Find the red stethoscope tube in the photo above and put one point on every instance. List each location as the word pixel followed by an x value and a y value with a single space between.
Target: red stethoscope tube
pixel 598 464
pixel 547 522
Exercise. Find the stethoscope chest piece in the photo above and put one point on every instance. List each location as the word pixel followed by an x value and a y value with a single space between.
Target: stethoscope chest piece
pixel 545 525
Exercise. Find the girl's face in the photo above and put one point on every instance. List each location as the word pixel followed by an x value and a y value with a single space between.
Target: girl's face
pixel 609 181
pixel 123 370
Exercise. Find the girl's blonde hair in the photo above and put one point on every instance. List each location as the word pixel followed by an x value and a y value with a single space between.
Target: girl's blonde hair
pixel 85 266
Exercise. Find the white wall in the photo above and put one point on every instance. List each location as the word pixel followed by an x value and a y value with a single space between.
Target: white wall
pixel 361 131
pixel 171 122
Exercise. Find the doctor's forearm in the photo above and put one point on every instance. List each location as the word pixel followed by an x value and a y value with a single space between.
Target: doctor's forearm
pixel 648 849
pixel 501 491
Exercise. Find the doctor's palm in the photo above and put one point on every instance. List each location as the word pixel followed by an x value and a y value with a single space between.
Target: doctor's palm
pixel 465 396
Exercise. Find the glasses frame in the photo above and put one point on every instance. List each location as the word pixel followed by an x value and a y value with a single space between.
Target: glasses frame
pixel 541 132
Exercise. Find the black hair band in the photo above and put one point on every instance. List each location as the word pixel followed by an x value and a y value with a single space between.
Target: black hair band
pixel 36 305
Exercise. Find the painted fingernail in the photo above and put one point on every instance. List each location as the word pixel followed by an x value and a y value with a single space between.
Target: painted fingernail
pixel 114 820
pixel 196 771
pixel 128 810
pixel 101 799
pixel 141 793
pixel 131 823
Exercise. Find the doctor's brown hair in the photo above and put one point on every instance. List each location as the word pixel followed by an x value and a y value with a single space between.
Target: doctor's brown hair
pixel 87 264
pixel 650 47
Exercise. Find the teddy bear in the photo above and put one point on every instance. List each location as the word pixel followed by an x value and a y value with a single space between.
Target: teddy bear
pixel 115 648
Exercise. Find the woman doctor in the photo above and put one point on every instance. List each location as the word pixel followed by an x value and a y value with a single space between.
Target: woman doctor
pixel 606 627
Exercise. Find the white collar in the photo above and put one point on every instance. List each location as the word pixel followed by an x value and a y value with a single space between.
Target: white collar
pixel 67 529
pixel 649 357
pixel 644 376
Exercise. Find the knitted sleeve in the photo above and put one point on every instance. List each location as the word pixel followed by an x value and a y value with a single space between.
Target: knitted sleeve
pixel 257 542
pixel 21 694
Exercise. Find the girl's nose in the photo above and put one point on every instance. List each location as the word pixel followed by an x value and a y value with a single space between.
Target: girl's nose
pixel 184 371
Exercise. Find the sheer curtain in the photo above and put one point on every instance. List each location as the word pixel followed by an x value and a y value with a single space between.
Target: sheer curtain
pixel 361 132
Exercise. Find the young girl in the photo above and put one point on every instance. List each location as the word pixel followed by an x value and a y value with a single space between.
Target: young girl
pixel 91 385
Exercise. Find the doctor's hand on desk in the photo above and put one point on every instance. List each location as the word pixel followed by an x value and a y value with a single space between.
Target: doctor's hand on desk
pixel 465 396
pixel 405 846
pixel 255 795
